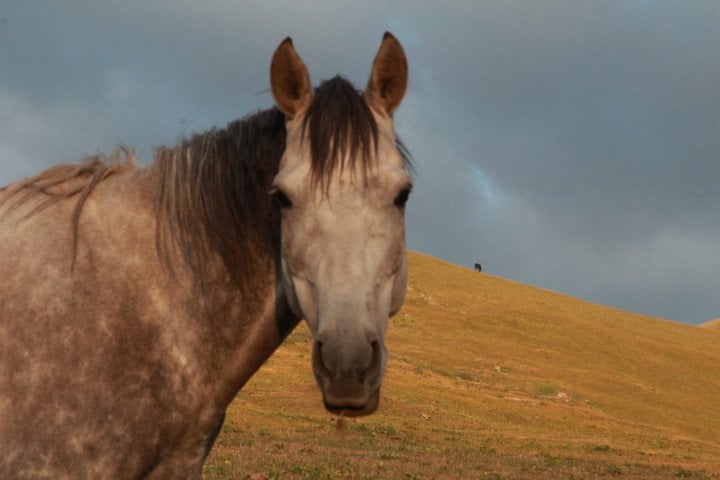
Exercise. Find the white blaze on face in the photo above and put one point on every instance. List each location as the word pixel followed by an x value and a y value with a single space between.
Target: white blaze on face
pixel 343 237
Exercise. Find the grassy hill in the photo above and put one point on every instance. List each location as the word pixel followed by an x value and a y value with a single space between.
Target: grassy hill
pixel 492 379
pixel 712 324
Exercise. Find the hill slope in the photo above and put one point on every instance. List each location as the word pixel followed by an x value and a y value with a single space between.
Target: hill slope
pixel 711 325
pixel 493 379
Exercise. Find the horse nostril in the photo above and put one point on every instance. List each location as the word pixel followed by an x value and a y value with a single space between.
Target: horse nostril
pixel 375 364
pixel 318 359
pixel 376 361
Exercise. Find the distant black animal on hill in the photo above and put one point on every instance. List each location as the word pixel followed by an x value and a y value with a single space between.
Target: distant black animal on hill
pixel 478 267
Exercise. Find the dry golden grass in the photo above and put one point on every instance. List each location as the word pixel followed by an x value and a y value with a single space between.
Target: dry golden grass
pixel 712 324
pixel 492 379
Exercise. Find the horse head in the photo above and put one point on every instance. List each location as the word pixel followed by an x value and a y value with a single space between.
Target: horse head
pixel 341 187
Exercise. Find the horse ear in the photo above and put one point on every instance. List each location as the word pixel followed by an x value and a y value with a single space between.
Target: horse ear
pixel 289 80
pixel 389 76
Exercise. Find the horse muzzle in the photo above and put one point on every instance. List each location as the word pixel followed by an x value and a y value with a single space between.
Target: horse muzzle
pixel 349 375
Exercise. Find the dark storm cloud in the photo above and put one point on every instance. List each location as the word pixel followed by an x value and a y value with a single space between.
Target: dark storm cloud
pixel 595 130
pixel 572 145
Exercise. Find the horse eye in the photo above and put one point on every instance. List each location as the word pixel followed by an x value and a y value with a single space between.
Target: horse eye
pixel 402 198
pixel 280 199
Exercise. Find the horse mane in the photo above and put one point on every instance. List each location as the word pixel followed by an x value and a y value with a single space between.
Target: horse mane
pixel 214 197
pixel 64 181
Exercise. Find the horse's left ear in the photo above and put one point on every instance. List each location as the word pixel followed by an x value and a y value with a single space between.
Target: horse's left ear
pixel 289 80
pixel 389 76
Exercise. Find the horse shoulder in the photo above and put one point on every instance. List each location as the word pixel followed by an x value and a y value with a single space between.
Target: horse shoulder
pixel 92 337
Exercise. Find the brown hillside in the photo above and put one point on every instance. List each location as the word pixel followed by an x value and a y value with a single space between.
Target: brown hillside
pixel 490 378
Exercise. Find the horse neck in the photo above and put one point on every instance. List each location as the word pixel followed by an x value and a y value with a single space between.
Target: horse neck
pixel 228 332
pixel 227 260
pixel 240 329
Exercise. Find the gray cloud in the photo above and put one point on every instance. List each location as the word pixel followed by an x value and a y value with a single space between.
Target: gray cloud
pixel 570 145
pixel 595 129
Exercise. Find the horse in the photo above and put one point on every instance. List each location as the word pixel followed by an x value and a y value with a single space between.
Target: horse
pixel 478 267
pixel 136 301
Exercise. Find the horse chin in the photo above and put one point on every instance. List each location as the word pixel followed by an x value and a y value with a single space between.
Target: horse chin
pixel 354 408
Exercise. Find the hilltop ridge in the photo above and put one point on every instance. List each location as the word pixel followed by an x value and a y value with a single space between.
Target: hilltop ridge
pixel 711 325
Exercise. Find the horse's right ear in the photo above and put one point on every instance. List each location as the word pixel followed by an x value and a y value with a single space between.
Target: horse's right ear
pixel 289 80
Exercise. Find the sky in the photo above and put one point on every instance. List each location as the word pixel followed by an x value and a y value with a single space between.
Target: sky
pixel 571 145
